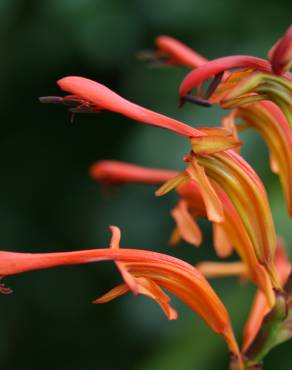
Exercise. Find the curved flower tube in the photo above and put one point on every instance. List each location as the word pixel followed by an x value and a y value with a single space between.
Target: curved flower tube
pixel 117 172
pixel 90 96
pixel 228 233
pixel 267 119
pixel 212 269
pixel 144 272
pixel 260 86
pixel 177 53
pixel 216 66
pixel 248 196
pixel 104 98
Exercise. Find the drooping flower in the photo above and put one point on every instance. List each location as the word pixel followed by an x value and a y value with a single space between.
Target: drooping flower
pixel 257 79
pixel 268 120
pixel 247 194
pixel 229 230
pixel 143 272
pixel 231 172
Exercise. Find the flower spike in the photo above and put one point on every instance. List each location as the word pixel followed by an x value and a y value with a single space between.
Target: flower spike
pixel 144 271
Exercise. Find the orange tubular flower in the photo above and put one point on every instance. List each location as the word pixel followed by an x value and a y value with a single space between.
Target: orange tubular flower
pixel 260 307
pixel 248 196
pixel 177 53
pixel 117 172
pixel 143 272
pixel 90 96
pixel 216 66
pixel 263 79
pixel 228 233
pixel 172 52
pixel 268 120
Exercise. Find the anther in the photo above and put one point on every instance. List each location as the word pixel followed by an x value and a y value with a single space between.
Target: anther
pixel 213 85
pixel 195 100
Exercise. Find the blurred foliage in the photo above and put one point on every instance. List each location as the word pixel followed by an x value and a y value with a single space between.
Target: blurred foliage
pixel 48 203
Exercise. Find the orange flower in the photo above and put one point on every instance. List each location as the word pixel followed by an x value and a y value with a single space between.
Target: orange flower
pixel 231 172
pixel 175 52
pixel 90 96
pixel 249 197
pixel 117 172
pixel 214 67
pixel 257 79
pixel 247 194
pixel 144 272
pixel 229 231
pixel 268 120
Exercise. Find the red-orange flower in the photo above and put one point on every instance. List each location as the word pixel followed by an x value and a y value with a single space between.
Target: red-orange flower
pixel 144 272
pixel 175 52
pixel 257 79
pixel 268 120
pixel 91 96
pixel 229 230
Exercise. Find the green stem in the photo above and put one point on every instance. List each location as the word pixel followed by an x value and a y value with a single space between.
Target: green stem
pixel 276 329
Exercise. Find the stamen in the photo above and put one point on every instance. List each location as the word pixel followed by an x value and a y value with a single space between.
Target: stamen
pixel 195 100
pixel 213 85
pixel 51 99
pixel 69 101
pixel 154 59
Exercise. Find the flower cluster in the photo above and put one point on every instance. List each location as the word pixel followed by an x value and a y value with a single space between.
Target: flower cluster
pixel 217 183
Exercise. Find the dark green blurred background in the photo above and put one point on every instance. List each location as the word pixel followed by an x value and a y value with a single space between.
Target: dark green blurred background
pixel 48 203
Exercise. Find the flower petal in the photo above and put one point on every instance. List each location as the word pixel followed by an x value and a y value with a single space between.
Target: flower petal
pixel 152 290
pixel 212 202
pixel 104 98
pixel 213 67
pixel 268 120
pixel 112 172
pixel 178 53
pixel 220 269
pixel 187 226
pixel 113 293
pixel 248 196
pixel 222 243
